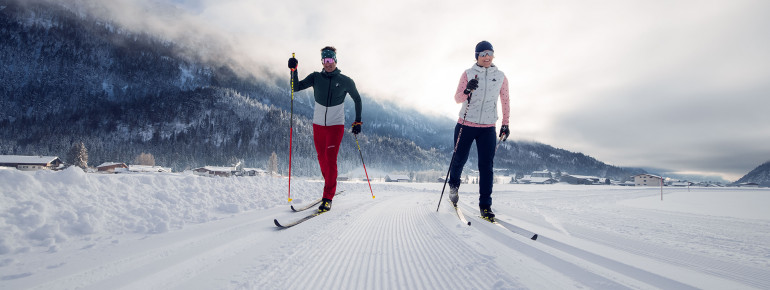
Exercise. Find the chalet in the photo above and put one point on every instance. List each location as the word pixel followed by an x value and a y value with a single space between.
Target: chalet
pixel 397 178
pixel 252 172
pixel 147 168
pixel 580 179
pixel 529 179
pixel 680 183
pixel 112 167
pixel 29 163
pixel 647 180
pixel 214 171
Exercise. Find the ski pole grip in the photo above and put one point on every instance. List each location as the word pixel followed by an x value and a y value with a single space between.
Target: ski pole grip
pixel 292 56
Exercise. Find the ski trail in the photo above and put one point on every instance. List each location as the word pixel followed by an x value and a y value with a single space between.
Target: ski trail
pixel 746 274
pixel 160 262
pixel 396 242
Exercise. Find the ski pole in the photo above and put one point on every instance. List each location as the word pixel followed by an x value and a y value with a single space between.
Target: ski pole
pixel 459 134
pixel 498 143
pixel 364 164
pixel 291 124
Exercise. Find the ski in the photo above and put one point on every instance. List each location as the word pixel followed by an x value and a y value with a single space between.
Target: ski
pixel 314 203
pixel 517 230
pixel 460 214
pixel 511 228
pixel 296 222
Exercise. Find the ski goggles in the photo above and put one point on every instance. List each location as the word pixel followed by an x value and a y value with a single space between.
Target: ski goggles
pixel 327 60
pixel 486 52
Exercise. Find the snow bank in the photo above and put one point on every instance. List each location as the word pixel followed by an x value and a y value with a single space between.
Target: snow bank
pixel 46 208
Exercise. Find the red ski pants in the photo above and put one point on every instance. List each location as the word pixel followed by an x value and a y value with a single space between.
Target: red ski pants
pixel 327 141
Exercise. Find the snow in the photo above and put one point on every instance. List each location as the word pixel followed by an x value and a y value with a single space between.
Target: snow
pixel 70 229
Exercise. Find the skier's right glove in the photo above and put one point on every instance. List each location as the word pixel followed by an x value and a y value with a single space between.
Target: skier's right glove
pixel 471 86
pixel 504 131
pixel 356 128
pixel 293 63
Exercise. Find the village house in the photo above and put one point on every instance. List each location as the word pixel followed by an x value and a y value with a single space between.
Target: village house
pixel 214 171
pixel 647 180
pixel 147 168
pixel 30 163
pixel 538 177
pixel 112 167
pixel 581 179
pixel 252 172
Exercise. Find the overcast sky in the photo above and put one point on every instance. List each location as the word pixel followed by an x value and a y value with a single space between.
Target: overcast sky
pixel 679 85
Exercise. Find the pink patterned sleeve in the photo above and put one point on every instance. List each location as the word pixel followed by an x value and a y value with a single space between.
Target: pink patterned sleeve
pixel 505 101
pixel 459 95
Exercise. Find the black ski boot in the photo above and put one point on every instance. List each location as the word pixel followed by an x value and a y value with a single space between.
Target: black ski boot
pixel 486 213
pixel 453 196
pixel 326 205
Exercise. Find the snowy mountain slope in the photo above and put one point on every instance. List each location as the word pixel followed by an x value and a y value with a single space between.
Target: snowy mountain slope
pixel 220 236
pixel 759 175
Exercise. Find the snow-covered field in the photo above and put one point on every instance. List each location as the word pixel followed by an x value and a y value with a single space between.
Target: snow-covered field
pixel 69 229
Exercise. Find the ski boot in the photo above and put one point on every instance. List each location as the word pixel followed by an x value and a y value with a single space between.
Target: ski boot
pixel 454 197
pixel 326 205
pixel 486 213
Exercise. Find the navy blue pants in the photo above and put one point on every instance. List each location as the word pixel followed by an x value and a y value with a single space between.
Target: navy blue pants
pixel 485 145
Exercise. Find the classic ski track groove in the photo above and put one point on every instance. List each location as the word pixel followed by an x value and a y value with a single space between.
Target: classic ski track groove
pixel 752 276
pixel 402 255
pixel 601 261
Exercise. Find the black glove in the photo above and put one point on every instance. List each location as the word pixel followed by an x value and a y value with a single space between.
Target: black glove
pixel 504 131
pixel 293 63
pixel 356 128
pixel 472 85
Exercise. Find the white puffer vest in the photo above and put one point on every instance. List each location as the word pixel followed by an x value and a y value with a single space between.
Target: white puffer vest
pixel 483 108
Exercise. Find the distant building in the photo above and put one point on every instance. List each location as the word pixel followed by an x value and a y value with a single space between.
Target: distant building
pixel 581 179
pixel 647 180
pixel 397 178
pixel 214 171
pixel 111 167
pixel 147 168
pixel 29 163
pixel 252 172
pixel 529 179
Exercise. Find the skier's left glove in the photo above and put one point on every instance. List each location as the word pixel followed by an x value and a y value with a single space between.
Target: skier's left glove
pixel 356 127
pixel 504 131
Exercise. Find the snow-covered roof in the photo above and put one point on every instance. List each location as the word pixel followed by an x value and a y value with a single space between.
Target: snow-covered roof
pixel 537 179
pixel 22 159
pixel 648 175
pixel 147 168
pixel 583 176
pixel 105 164
pixel 219 168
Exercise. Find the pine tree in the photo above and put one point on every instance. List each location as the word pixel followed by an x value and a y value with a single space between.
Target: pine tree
pixel 272 164
pixel 78 155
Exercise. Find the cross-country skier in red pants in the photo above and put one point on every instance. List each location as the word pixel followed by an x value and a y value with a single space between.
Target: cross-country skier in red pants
pixel 329 88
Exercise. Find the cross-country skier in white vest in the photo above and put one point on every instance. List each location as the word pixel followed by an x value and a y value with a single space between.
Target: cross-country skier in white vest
pixel 329 89
pixel 479 90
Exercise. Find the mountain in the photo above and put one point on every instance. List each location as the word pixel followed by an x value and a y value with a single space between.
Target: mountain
pixel 71 77
pixel 760 175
